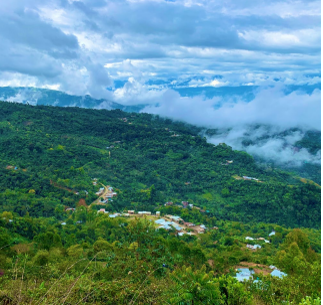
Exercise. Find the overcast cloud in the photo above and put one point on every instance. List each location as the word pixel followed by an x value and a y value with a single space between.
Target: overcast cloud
pixel 152 47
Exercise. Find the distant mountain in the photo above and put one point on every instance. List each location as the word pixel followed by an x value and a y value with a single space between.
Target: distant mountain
pixel 291 149
pixel 37 96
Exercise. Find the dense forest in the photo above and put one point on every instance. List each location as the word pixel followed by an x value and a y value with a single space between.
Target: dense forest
pixel 55 158
pixel 49 156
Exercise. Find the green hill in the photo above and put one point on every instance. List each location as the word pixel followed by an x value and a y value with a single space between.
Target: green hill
pixel 150 160
pixel 49 158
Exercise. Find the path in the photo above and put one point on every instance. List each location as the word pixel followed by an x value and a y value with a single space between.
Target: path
pixel 98 201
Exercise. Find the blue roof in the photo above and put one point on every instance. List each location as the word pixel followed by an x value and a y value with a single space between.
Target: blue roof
pixel 278 273
pixel 243 274
pixel 160 221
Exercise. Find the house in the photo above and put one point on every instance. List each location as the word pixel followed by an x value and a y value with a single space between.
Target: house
pixel 244 274
pixel 185 204
pixel 272 267
pixel 199 230
pixel 246 178
pixel 161 221
pixel 110 188
pixel 131 212
pixel 278 273
pixel 125 214
pixel 266 241
pixel 190 205
pixel 144 213
pixel 189 224
pixel 168 203
pixel 101 189
pixel 272 233
pixel 63 223
pixel 157 213
pixel 215 228
pixel 253 247
pixel 229 161
pixel 101 211
pixel 260 238
pixel 203 227
pixel 70 209
pixel 174 218
pixel 94 183
pixel 249 238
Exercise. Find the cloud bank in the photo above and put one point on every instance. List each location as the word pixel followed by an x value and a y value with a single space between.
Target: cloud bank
pixel 83 47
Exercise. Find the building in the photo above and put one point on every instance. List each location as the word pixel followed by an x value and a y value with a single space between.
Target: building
pixel 246 178
pixel 101 211
pixel 144 213
pixel 278 273
pixel 157 213
pixel 63 223
pixel 244 274
pixel 249 238
pixel 190 205
pixel 253 247
pixel 167 225
pixel 203 227
pixel 185 204
pixel 189 224
pixel 131 212
pixel 168 203
pixel 272 233
pixel 174 218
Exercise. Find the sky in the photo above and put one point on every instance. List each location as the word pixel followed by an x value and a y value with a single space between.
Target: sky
pixel 172 56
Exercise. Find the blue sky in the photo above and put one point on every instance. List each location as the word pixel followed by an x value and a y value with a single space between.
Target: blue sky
pixel 195 53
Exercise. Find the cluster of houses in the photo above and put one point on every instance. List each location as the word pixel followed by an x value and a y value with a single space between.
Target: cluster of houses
pixel 185 204
pixel 249 178
pixel 109 194
pixel 246 274
pixel 128 213
pixel 255 247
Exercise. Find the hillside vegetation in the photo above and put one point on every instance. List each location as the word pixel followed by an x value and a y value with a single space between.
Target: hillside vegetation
pixel 149 160
pixel 53 158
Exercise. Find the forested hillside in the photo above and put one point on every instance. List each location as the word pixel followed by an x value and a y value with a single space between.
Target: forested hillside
pixel 53 160
pixel 49 155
